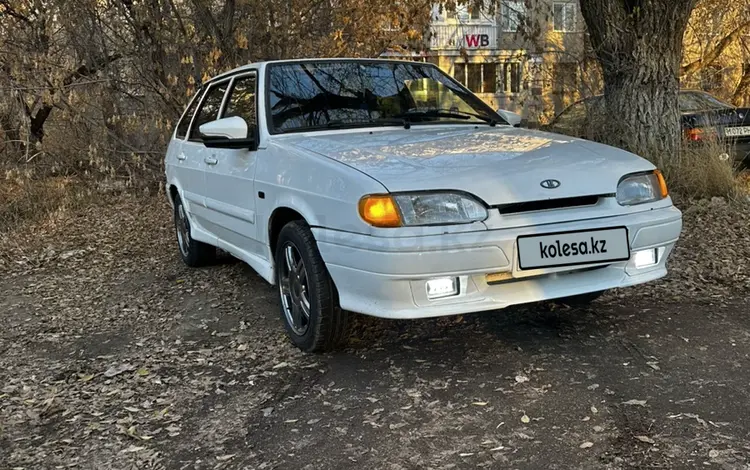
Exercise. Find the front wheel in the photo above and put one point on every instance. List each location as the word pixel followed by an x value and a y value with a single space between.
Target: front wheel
pixel 309 303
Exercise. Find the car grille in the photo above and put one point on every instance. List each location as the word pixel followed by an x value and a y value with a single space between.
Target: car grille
pixel 548 204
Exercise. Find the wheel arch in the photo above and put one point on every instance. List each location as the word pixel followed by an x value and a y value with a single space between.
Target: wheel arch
pixel 281 216
pixel 173 193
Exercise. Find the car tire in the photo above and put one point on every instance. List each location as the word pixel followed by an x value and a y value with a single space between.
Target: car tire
pixel 194 253
pixel 308 300
pixel 580 300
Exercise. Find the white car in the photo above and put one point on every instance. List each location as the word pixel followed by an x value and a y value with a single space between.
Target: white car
pixel 387 188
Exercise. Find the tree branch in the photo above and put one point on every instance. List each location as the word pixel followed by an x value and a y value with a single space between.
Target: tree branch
pixel 714 53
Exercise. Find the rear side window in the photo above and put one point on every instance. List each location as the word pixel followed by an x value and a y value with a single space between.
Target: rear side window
pixel 209 110
pixel 242 101
pixel 182 127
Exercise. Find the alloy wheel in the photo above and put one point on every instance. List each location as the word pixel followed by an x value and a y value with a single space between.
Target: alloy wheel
pixel 294 288
pixel 183 230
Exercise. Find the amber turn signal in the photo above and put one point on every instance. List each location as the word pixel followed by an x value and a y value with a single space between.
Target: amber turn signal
pixel 662 183
pixel 379 210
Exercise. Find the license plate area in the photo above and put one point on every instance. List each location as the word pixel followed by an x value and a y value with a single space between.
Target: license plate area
pixel 740 131
pixel 553 250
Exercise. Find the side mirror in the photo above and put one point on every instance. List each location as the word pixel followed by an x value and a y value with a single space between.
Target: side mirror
pixel 228 133
pixel 514 119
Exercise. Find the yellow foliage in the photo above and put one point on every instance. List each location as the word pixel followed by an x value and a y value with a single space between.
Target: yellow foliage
pixel 214 56
pixel 242 41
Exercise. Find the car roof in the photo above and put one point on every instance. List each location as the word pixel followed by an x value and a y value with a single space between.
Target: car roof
pixel 261 64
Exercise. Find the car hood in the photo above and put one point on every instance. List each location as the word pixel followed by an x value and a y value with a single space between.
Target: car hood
pixel 500 165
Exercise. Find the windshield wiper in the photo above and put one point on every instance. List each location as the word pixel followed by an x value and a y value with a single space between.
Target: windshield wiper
pixel 341 124
pixel 394 121
pixel 445 113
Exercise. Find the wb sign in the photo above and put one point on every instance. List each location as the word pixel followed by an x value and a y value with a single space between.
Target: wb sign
pixel 477 40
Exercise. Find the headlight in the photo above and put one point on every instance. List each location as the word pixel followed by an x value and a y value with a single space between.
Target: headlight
pixel 423 208
pixel 641 188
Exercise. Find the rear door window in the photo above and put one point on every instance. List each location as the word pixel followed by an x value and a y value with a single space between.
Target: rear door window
pixel 187 116
pixel 209 110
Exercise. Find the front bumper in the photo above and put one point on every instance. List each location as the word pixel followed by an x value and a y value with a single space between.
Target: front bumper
pixel 385 277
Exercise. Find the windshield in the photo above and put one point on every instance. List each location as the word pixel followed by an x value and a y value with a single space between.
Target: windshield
pixel 693 101
pixel 327 95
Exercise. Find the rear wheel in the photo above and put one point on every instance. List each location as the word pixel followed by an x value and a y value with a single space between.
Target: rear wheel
pixel 309 303
pixel 193 252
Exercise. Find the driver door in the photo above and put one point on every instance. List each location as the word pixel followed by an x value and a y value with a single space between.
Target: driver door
pixel 230 175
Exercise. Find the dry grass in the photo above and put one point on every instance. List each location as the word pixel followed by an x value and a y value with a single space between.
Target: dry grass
pixel 32 201
pixel 700 172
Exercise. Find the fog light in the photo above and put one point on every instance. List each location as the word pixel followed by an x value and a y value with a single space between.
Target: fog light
pixel 442 287
pixel 645 258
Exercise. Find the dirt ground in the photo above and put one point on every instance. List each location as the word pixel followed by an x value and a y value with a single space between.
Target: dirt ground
pixel 113 354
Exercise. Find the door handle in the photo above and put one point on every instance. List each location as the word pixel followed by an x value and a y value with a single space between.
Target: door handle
pixel 181 156
pixel 211 160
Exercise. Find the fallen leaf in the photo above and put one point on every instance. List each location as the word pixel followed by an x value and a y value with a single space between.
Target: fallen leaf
pixel 586 445
pixel 267 411
pixel 480 403
pixel 645 439
pixel 132 449
pixel 525 419
pixel 280 365
pixel 635 402
pixel 117 370
pixel 142 372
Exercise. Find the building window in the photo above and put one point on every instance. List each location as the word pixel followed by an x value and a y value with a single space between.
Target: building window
pixel 564 16
pixel 565 78
pixel 479 78
pixel 512 15
pixel 475 13
pixel 510 77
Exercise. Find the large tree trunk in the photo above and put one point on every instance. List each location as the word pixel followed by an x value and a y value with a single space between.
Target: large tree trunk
pixel 639 46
